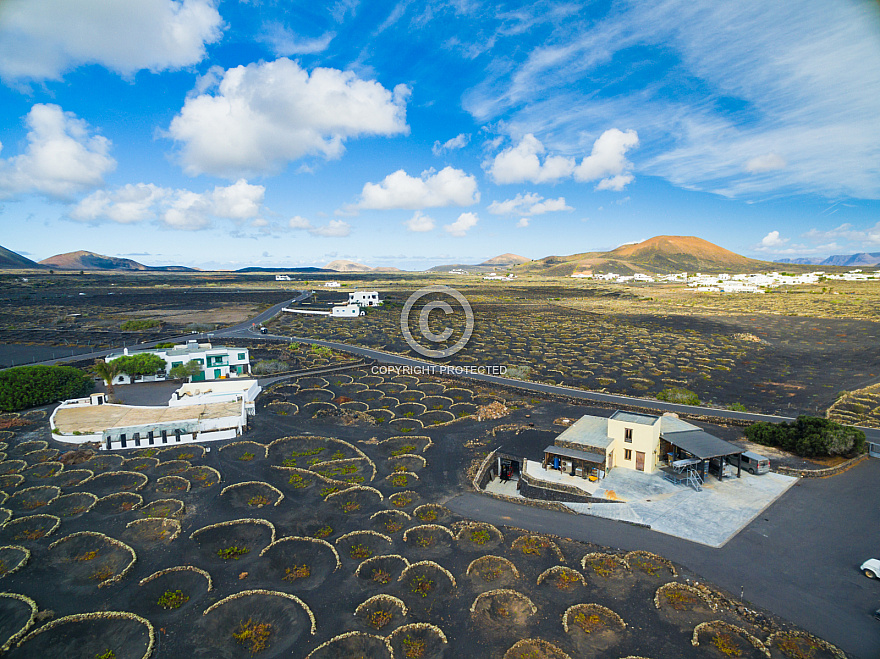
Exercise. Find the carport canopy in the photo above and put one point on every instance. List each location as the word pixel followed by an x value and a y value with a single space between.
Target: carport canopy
pixel 701 444
pixel 574 454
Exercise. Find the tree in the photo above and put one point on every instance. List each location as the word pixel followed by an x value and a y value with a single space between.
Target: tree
pixel 809 436
pixel 30 386
pixel 143 363
pixel 106 371
pixel 185 371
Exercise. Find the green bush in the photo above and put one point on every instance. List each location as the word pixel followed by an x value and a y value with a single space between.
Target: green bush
pixel 138 325
pixel 809 436
pixel 162 346
pixel 183 371
pixel 29 386
pixel 143 363
pixel 269 366
pixel 679 395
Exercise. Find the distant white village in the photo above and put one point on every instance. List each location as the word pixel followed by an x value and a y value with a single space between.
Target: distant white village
pixel 739 283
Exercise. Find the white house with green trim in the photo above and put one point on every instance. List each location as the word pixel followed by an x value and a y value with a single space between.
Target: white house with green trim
pixel 217 362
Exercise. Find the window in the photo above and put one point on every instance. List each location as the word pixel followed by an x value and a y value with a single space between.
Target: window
pixel 241 355
pixel 628 435
pixel 627 454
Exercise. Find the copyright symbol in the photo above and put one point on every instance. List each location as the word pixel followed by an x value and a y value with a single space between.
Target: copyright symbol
pixel 426 332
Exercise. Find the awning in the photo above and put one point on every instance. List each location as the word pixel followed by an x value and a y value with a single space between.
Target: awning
pixel 701 444
pixel 563 452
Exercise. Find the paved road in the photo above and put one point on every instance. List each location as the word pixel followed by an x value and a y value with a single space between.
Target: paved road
pixel 799 559
pixel 386 358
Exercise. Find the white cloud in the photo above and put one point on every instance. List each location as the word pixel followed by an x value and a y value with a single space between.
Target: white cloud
pixel 285 42
pixel 448 187
pixel 858 239
pixel 129 204
pixel 523 222
pixel 238 201
pixel 333 229
pixel 771 242
pixel 62 156
pixel 520 163
pixel 42 40
pixel 176 209
pixel 458 142
pixel 256 118
pixel 420 223
pixel 616 183
pixel 528 204
pixel 766 163
pixel 464 223
pixel 608 160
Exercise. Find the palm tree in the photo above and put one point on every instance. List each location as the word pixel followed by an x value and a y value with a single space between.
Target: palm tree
pixel 106 371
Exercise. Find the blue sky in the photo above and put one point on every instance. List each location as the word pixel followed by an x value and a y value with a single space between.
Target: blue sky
pixel 234 133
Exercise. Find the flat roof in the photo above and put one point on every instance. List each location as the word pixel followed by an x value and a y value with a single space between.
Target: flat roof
pixel 589 430
pixel 98 418
pixel 702 444
pixel 564 452
pixel 635 417
pixel 669 423
pixel 215 386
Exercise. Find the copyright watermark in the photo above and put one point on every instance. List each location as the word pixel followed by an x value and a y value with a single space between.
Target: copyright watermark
pixel 440 369
pixel 424 314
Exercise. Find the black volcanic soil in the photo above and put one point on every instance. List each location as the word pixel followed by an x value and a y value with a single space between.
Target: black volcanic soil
pixel 334 594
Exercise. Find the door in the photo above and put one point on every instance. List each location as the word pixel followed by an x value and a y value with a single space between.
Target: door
pixel 217 373
pixel 640 461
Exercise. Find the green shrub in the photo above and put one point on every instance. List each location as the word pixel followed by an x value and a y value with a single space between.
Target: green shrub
pixel 30 386
pixel 143 363
pixel 269 366
pixel 679 395
pixel 809 436
pixel 138 325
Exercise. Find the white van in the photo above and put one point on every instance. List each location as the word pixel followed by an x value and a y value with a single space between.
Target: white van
pixel 752 462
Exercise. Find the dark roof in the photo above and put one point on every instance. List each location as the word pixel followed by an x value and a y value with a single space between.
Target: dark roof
pixel 563 452
pixel 701 444
pixel 635 417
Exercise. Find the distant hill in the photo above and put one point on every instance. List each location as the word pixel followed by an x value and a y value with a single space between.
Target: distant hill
pixel 83 260
pixel 341 265
pixel 844 260
pixel 288 270
pixel 11 260
pixel 490 265
pixel 659 255
pixel 506 259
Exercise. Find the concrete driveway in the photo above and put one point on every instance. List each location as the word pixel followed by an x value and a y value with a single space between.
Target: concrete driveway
pixel 711 516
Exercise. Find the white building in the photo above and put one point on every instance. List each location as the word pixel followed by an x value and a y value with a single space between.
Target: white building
pixel 365 298
pixel 131 426
pixel 331 284
pixel 282 277
pixel 221 391
pixel 216 363
pixel 347 311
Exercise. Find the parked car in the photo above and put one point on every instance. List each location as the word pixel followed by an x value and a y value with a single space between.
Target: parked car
pixel 753 463
pixel 871 568
pixel 264 330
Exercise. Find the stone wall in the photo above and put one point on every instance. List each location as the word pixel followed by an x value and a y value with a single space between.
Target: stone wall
pixel 821 473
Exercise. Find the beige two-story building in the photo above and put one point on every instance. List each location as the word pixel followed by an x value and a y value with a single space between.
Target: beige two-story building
pixel 632 440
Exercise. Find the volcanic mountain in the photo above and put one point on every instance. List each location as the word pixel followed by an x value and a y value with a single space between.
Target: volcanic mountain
pixel 341 265
pixel 506 259
pixel 11 260
pixel 83 260
pixel 661 254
